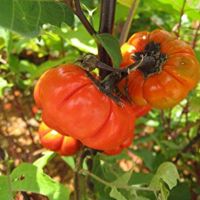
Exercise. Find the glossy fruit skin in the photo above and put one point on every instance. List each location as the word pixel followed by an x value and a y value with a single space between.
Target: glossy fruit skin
pixel 179 75
pixel 118 149
pixel 140 111
pixel 52 140
pixel 73 105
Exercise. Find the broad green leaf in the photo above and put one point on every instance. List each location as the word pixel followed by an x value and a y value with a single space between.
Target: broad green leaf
pixel 106 170
pixel 140 178
pixel 191 7
pixel 141 198
pixel 171 144
pixel 181 191
pixel 78 38
pixel 164 192
pixel 27 17
pixel 14 64
pixel 27 177
pixel 70 161
pixel 127 3
pixel 116 194
pixel 25 66
pixel 121 13
pixel 123 179
pixel 3 33
pixel 167 173
pixel 147 156
pixel 42 161
pixel 112 47
pixel 5 193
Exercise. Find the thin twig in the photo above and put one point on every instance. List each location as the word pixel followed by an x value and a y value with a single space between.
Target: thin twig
pixel 186 108
pixel 196 34
pixel 195 140
pixel 127 25
pixel 188 127
pixel 180 19
pixel 109 184
pixel 169 120
pixel 76 6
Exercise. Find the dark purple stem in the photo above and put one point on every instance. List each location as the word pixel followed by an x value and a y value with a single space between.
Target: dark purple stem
pixel 106 26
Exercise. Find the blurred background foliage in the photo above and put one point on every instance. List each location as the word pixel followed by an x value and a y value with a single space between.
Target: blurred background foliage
pixel 44 35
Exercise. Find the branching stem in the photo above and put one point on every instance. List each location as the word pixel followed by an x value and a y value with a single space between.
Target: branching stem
pixel 119 186
pixel 195 140
pixel 196 34
pixel 180 19
pixel 76 6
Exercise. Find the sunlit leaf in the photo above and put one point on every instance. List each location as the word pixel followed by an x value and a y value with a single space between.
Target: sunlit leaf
pixel 27 177
pixel 116 194
pixel 112 47
pixel 43 160
pixel 167 173
pixel 27 17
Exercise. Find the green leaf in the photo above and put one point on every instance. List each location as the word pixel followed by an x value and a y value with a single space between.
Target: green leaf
pixel 121 13
pixel 116 194
pixel 25 66
pixel 167 173
pixel 14 64
pixel 198 55
pixel 164 192
pixel 111 45
pixel 69 160
pixel 42 161
pixel 171 144
pixel 27 177
pixel 124 178
pixel 5 193
pixel 140 178
pixel 147 156
pixel 127 3
pixel 141 198
pixel 191 7
pixel 27 17
pixel 181 191
pixel 78 38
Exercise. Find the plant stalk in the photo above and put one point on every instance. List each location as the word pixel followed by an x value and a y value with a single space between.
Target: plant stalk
pixel 127 25
pixel 76 7
pixel 78 166
pixel 106 26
